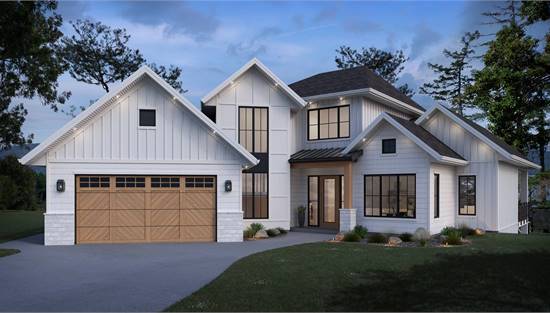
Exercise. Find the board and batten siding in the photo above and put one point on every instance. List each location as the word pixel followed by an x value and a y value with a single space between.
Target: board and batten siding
pixel 254 89
pixel 371 110
pixel 482 162
pixel 508 197
pixel 409 159
pixel 447 197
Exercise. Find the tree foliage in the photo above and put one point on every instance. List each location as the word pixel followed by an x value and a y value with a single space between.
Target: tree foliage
pixel 454 78
pixel 18 183
pixel 170 74
pixel 387 65
pixel 29 63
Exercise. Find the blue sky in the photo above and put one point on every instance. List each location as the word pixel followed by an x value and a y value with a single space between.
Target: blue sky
pixel 210 40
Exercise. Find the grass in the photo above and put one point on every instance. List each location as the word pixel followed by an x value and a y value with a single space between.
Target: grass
pixel 496 272
pixel 6 252
pixel 19 224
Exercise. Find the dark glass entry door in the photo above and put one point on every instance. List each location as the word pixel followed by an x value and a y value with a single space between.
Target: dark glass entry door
pixel 324 201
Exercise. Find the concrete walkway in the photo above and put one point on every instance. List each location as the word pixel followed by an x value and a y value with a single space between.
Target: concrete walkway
pixel 118 277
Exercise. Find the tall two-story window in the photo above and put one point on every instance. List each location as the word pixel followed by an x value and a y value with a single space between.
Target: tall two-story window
pixel 253 135
pixel 328 123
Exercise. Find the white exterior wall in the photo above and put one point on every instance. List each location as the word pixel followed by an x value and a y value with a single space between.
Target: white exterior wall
pixel 409 159
pixel 254 89
pixel 508 197
pixel 448 204
pixel 371 110
pixel 113 143
pixel 483 163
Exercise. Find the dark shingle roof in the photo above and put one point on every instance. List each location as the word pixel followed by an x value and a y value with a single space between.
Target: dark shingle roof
pixel 494 138
pixel 323 155
pixel 348 79
pixel 427 138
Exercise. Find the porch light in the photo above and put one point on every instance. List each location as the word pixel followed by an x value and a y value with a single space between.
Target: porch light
pixel 341 98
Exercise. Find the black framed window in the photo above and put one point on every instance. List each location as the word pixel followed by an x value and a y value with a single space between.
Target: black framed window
pixel 328 123
pixel 94 182
pixel 165 182
pixel 199 182
pixel 253 129
pixel 130 182
pixel 147 118
pixel 467 195
pixel 436 195
pixel 255 195
pixel 388 146
pixel 390 196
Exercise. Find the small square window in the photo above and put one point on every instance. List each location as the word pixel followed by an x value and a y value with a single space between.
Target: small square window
pixel 147 118
pixel 388 146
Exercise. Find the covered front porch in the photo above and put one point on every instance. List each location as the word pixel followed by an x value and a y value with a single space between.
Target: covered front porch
pixel 322 182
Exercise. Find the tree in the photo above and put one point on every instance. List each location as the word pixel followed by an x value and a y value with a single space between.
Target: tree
pixel 20 185
pixel 171 75
pixel 387 65
pixel 454 78
pixel 29 63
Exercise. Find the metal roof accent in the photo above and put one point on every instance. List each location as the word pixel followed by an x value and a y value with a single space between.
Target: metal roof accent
pixel 324 155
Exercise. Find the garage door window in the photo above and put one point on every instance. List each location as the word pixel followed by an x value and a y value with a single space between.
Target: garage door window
pixel 199 182
pixel 94 182
pixel 130 182
pixel 165 182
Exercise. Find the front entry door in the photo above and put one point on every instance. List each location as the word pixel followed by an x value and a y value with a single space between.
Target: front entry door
pixel 324 201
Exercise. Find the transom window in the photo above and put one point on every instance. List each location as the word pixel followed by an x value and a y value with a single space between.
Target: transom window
pixel 147 118
pixel 467 195
pixel 94 182
pixel 199 182
pixel 253 129
pixel 255 195
pixel 165 182
pixel 130 182
pixel 328 123
pixel 388 146
pixel 390 196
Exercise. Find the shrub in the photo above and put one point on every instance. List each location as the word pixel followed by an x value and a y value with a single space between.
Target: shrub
pixel 406 237
pixel 282 230
pixel 447 229
pixel 421 234
pixel 247 233
pixel 352 237
pixel 422 242
pixel 454 237
pixel 255 227
pixel 272 232
pixel 361 231
pixel 466 230
pixel 17 185
pixel 378 238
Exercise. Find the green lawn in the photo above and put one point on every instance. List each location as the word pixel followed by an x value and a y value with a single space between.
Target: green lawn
pixel 6 252
pixel 495 273
pixel 18 224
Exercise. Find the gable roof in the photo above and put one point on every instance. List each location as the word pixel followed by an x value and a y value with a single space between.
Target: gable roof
pixel 426 141
pixel 483 134
pixel 266 71
pixel 346 80
pixel 84 117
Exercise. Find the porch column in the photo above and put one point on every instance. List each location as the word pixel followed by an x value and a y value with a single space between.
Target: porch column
pixel 348 218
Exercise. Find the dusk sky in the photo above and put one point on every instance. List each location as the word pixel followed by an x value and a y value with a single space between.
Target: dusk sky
pixel 211 40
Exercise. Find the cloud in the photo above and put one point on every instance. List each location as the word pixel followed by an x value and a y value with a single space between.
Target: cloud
pixel 179 17
pixel 326 14
pixel 361 26
pixel 254 46
pixel 72 10
pixel 423 38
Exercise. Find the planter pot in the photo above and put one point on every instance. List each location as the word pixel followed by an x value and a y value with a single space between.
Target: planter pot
pixel 301 218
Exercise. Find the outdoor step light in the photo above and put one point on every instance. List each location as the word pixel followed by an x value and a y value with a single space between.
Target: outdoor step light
pixel 228 186
pixel 60 185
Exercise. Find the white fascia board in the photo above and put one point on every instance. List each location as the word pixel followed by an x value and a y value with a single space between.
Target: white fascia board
pixel 107 98
pixel 369 92
pixel 384 116
pixel 255 62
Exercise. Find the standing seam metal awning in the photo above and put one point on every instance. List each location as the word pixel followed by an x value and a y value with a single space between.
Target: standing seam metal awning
pixel 324 155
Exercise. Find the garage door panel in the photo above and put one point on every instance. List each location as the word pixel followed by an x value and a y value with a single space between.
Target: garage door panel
pixel 197 233
pixel 128 201
pixel 165 200
pixel 127 217
pixel 93 218
pixel 165 218
pixel 197 217
pixel 93 200
pixel 165 233
pixel 127 233
pixel 197 200
pixel 92 234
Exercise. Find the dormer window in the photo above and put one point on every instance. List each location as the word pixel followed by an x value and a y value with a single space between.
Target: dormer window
pixel 147 118
pixel 328 123
pixel 388 146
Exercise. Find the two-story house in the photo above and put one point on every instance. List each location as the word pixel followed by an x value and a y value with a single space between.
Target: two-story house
pixel 143 164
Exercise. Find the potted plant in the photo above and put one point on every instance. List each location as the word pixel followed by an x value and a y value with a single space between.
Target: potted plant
pixel 301 215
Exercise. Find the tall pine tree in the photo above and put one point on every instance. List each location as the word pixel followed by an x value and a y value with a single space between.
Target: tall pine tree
pixel 454 78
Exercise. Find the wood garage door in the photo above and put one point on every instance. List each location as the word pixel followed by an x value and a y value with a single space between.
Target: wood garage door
pixel 145 208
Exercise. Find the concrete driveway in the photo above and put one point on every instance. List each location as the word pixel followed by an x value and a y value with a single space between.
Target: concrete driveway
pixel 118 277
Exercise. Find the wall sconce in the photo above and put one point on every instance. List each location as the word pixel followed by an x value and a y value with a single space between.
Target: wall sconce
pixel 228 185
pixel 60 185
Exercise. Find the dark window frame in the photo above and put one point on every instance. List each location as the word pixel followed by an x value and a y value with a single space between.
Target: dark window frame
pixel 94 181
pixel 393 145
pixel 170 182
pixel 254 217
pixel 199 182
pixel 131 181
pixel 318 196
pixel 140 120
pixel 380 195
pixel 338 123
pixel 467 177
pixel 437 195
pixel 254 108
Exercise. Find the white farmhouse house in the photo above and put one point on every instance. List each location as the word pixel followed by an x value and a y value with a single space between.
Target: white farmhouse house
pixel 143 164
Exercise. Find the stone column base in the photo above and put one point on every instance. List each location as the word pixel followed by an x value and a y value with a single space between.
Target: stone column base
pixel 59 229
pixel 230 227
pixel 348 219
